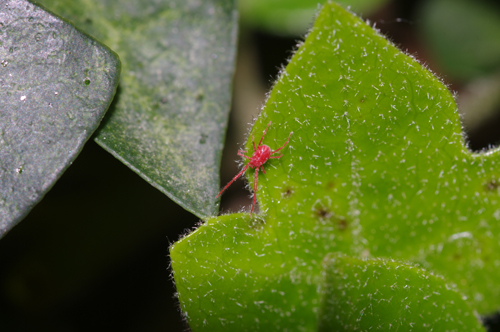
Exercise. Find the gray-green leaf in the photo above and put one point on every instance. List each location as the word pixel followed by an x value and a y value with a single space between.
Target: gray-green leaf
pixel 56 83
pixel 169 119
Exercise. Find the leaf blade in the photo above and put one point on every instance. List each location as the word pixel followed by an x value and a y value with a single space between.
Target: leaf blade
pixel 57 83
pixel 174 99
pixel 385 294
pixel 376 167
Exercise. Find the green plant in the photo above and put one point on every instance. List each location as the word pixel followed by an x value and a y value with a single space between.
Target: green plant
pixel 377 167
pixel 182 93
pixel 177 60
pixel 376 216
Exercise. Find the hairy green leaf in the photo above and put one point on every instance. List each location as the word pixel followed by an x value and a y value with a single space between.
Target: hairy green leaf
pixel 378 294
pixel 56 83
pixel 376 167
pixel 174 97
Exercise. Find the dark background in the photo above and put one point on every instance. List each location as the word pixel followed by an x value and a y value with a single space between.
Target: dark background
pixel 93 255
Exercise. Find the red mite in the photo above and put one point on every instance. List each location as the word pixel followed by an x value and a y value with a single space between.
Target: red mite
pixel 262 153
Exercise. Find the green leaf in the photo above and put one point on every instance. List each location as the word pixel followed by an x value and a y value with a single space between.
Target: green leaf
pixel 463 36
pixel 385 295
pixel 56 83
pixel 174 97
pixel 294 17
pixel 376 167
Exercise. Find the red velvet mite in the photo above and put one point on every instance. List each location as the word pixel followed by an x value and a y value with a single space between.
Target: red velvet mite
pixel 262 153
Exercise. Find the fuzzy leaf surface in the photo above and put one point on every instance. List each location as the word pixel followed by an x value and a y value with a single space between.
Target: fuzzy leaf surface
pixel 56 83
pixel 168 120
pixel 381 293
pixel 376 167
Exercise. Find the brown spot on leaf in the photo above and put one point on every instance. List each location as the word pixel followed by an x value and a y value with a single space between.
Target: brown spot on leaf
pixel 323 213
pixel 341 223
pixel 330 185
pixel 287 192
pixel 492 185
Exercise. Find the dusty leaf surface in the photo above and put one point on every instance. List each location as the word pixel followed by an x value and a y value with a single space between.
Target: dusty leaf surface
pixel 169 117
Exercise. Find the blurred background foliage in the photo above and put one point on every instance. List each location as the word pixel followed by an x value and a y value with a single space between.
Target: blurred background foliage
pixel 92 257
